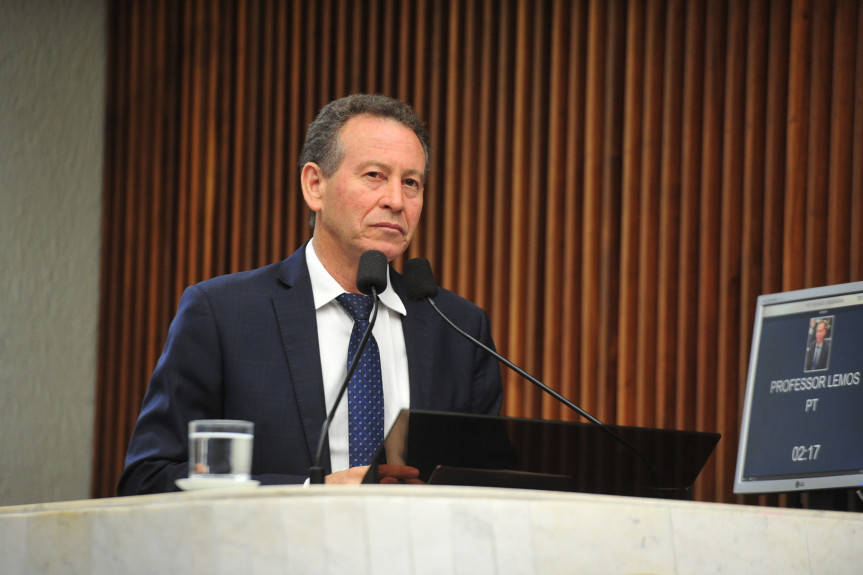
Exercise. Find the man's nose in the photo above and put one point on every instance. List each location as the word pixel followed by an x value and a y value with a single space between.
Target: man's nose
pixel 393 196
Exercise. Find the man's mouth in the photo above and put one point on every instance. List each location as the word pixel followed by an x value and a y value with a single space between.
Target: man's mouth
pixel 390 226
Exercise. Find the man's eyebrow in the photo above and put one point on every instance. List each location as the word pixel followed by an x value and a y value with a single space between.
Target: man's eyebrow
pixel 418 174
pixel 363 166
pixel 412 172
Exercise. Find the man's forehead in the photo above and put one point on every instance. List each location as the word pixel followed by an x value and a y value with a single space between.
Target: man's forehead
pixel 371 134
pixel 371 124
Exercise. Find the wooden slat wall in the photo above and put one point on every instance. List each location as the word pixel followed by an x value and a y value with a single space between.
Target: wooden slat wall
pixel 614 181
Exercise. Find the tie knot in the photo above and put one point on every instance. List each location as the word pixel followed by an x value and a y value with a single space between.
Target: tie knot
pixel 357 304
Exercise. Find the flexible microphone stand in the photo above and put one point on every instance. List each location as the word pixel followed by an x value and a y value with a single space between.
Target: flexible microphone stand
pixel 371 277
pixel 421 285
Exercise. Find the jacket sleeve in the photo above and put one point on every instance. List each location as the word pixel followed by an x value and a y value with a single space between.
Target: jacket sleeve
pixel 187 384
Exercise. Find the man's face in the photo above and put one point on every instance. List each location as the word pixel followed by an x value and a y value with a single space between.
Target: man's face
pixel 820 332
pixel 375 197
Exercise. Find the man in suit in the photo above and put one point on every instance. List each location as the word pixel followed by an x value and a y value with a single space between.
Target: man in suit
pixel 819 351
pixel 270 345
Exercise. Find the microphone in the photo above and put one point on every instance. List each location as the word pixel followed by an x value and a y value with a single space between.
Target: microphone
pixel 372 273
pixel 420 285
pixel 371 280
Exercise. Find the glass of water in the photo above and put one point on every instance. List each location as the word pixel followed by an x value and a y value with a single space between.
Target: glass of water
pixel 220 449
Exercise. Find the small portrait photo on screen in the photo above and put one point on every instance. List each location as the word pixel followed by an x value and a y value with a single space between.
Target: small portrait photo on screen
pixel 818 343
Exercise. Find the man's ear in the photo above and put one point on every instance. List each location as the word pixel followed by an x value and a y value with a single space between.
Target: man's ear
pixel 313 184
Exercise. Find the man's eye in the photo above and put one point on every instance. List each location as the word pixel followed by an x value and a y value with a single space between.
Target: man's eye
pixel 412 183
pixel 375 175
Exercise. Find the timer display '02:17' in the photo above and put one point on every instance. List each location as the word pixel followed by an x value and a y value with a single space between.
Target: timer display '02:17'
pixel 805 452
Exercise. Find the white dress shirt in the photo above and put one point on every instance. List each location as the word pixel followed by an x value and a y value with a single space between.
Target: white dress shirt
pixel 334 334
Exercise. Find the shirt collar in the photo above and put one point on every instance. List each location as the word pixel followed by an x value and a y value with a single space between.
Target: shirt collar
pixel 325 288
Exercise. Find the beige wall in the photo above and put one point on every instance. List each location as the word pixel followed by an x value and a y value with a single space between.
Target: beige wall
pixel 52 78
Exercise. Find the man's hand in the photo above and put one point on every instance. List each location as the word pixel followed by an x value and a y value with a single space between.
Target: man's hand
pixel 388 474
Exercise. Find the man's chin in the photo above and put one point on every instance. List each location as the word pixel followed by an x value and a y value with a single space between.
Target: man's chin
pixel 389 252
pixel 390 249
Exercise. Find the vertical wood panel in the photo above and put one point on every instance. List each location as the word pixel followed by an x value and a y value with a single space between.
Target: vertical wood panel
pixel 466 213
pixel 607 316
pixel 693 113
pixel 776 144
pixel 517 184
pixel 817 193
pixel 553 292
pixel 856 264
pixel 503 157
pixel 536 154
pixel 628 396
pixel 615 182
pixel 756 232
pixel 649 231
pixel 485 109
pixel 798 135
pixel 107 430
pixel 841 151
pixel 670 216
pixel 779 45
pixel 576 117
pixel 730 245
pixel 591 195
pixel 709 265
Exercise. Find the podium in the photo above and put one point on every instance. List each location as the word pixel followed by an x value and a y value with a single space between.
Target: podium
pixel 420 529
pixel 496 451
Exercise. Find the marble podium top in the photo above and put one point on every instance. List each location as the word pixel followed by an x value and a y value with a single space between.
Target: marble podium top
pixel 420 529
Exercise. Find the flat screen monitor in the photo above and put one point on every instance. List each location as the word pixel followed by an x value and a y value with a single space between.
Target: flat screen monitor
pixel 802 424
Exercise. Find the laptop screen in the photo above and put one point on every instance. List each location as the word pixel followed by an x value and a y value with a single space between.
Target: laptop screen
pixel 802 425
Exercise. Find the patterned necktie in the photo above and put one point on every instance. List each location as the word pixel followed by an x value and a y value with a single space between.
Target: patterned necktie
pixel 365 391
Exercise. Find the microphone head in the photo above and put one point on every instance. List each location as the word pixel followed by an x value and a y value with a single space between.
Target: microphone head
pixel 372 272
pixel 419 279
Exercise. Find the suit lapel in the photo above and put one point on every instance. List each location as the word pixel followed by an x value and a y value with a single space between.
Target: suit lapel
pixel 295 311
pixel 419 346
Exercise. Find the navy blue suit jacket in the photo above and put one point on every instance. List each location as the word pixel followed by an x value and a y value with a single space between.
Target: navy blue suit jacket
pixel 245 346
